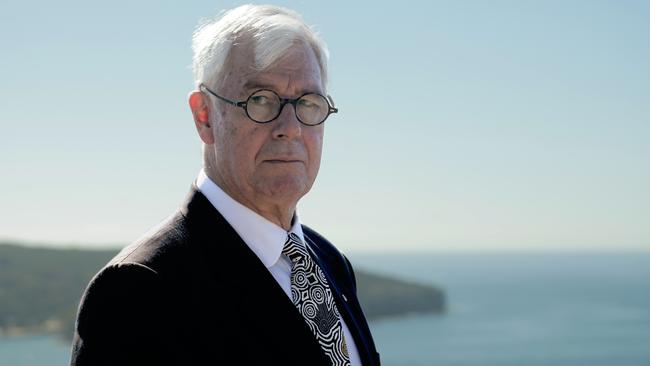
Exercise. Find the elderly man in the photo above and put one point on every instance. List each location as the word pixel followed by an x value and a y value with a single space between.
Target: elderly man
pixel 233 277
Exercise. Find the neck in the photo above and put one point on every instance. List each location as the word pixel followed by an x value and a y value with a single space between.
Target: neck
pixel 281 217
pixel 278 213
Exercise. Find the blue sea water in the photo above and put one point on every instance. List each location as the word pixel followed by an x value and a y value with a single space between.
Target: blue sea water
pixel 33 351
pixel 505 309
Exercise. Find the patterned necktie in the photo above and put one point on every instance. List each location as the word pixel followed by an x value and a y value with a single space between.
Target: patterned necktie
pixel 313 298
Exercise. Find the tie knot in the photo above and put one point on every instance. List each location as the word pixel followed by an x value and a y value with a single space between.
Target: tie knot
pixel 294 248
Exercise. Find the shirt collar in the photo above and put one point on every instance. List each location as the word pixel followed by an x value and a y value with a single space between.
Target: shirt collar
pixel 265 238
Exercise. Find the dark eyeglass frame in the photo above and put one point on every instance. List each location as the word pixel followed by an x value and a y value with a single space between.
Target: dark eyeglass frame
pixel 283 101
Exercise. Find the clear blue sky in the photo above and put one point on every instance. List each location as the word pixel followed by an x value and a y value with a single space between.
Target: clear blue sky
pixel 464 124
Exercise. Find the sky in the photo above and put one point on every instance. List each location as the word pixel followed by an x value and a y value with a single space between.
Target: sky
pixel 463 125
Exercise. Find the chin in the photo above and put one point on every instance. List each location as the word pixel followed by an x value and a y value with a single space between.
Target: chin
pixel 286 188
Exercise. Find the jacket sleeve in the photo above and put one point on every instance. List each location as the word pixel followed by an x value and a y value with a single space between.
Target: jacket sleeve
pixel 120 319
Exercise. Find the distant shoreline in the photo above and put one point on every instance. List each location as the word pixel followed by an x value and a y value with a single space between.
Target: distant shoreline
pixel 57 278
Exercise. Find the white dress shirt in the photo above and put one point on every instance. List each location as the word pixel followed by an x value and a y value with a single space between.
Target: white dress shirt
pixel 265 239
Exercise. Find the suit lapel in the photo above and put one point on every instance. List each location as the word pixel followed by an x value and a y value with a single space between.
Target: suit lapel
pixel 346 303
pixel 261 316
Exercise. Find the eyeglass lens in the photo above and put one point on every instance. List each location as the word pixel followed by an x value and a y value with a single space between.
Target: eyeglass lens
pixel 265 105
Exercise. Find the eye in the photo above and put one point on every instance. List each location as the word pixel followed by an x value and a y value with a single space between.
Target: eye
pixel 306 103
pixel 259 99
pixel 312 101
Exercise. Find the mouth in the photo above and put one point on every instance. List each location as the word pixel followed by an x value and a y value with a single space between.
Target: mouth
pixel 282 161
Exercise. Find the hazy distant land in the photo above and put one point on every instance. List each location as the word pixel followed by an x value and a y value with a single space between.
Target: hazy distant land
pixel 41 287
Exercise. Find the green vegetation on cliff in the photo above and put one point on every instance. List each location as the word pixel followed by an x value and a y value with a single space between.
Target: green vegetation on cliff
pixel 41 287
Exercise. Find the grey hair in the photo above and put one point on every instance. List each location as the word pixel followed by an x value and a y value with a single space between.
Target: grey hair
pixel 273 30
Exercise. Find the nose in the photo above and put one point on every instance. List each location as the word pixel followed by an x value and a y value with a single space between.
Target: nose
pixel 287 126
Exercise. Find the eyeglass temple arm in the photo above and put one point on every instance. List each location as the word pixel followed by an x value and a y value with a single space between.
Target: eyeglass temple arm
pixel 331 106
pixel 236 104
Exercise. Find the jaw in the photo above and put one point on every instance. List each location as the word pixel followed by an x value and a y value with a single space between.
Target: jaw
pixel 281 183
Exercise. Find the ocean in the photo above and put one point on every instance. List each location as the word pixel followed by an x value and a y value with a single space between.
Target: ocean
pixel 505 309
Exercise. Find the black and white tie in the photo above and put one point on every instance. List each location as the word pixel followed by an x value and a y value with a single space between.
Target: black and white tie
pixel 313 298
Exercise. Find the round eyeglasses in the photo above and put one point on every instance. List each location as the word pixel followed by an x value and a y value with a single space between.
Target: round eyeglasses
pixel 265 105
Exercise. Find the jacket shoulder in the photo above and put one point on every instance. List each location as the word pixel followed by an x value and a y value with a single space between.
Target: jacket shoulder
pixel 156 249
pixel 118 320
pixel 323 244
pixel 331 253
pixel 120 313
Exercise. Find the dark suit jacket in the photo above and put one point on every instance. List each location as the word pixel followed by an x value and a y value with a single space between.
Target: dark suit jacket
pixel 191 292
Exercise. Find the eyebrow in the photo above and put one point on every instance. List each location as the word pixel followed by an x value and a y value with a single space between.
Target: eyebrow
pixel 252 84
pixel 257 84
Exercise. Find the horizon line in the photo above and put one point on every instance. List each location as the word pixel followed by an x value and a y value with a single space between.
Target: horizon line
pixel 77 245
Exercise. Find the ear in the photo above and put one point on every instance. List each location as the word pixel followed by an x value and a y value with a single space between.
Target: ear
pixel 199 106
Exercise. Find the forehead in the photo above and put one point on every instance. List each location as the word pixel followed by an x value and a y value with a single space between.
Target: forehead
pixel 296 72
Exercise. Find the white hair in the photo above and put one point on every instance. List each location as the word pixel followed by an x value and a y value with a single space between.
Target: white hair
pixel 272 29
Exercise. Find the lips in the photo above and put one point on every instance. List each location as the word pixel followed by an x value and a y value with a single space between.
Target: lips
pixel 282 161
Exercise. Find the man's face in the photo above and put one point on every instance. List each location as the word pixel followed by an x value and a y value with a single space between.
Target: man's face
pixel 273 163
